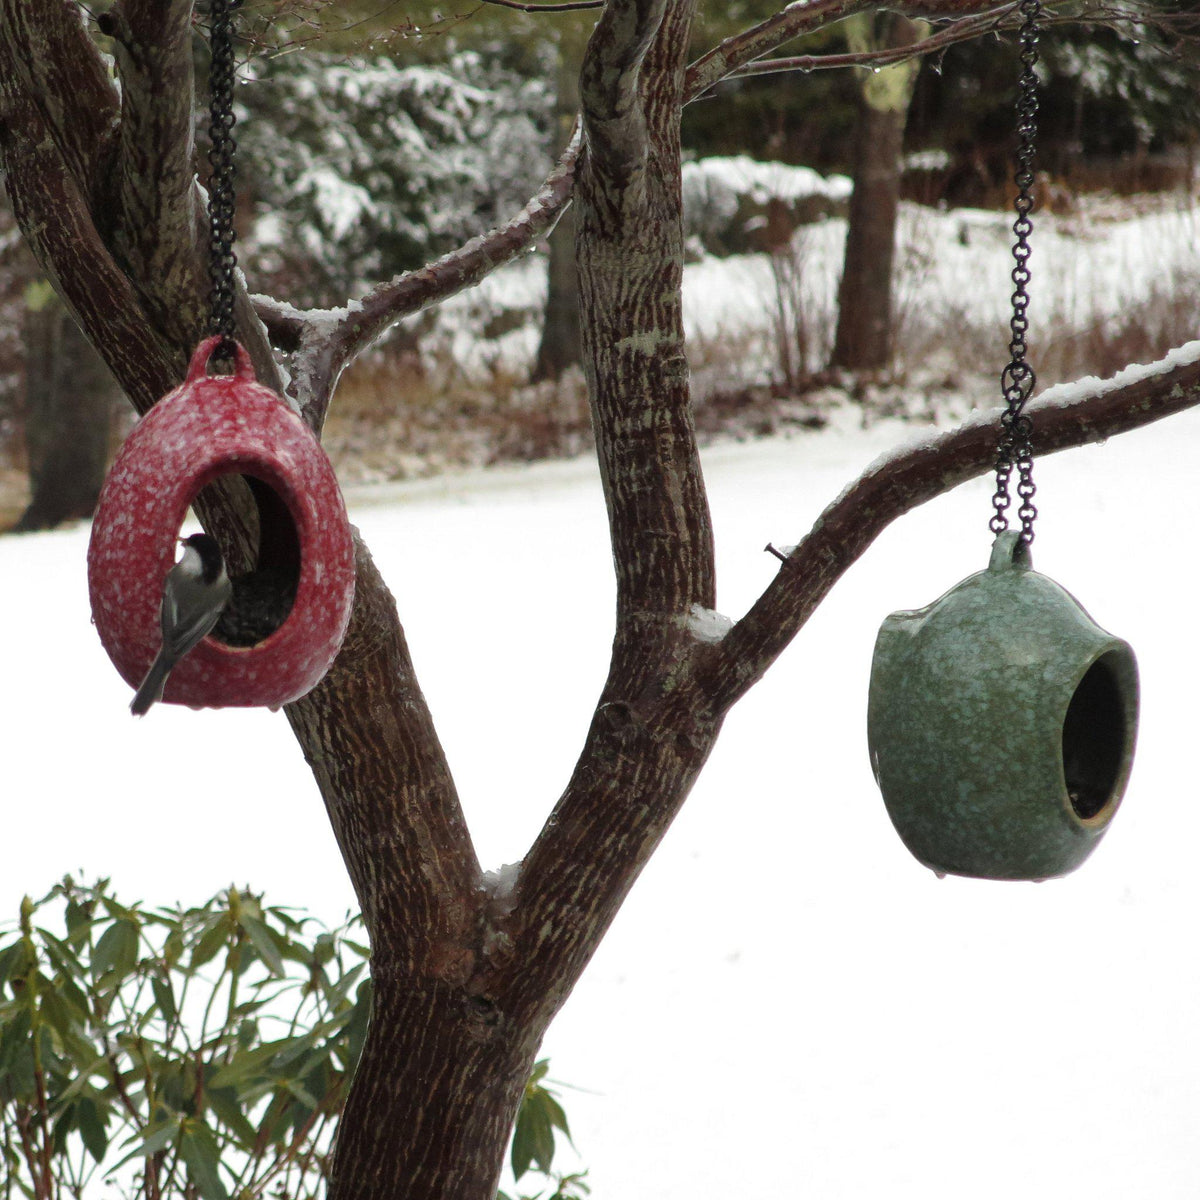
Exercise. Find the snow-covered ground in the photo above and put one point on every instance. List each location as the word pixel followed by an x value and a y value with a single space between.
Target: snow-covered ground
pixel 788 1004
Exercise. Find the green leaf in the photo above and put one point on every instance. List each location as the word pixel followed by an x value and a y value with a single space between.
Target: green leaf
pixel 533 1137
pixel 116 951
pixel 14 1034
pixel 152 1140
pixel 79 922
pixel 164 997
pixel 215 935
pixel 60 1015
pixel 225 1106
pixel 92 1129
pixel 202 1157
pixel 252 1064
pixel 264 942
pixel 301 1093
pixel 14 961
pixel 554 1111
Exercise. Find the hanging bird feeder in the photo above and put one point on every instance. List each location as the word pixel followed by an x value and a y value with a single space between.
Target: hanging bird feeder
pixel 288 615
pixel 212 426
pixel 1001 719
pixel 1001 723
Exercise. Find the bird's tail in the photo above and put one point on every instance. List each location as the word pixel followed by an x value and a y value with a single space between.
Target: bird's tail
pixel 152 686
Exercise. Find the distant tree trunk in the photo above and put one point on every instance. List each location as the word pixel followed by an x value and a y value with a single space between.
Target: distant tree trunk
pixel 863 341
pixel 69 399
pixel 562 345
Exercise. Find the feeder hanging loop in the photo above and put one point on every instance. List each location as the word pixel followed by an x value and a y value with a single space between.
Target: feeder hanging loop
pixel 222 258
pixel 1015 449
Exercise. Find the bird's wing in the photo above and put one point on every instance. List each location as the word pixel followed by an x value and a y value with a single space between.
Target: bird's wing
pixel 187 615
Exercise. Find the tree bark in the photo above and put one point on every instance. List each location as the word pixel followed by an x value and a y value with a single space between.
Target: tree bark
pixel 863 341
pixel 70 396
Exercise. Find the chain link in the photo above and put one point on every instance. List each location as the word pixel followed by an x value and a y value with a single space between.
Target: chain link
pixel 222 258
pixel 1015 449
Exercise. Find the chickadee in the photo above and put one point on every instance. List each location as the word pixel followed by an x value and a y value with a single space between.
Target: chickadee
pixel 194 595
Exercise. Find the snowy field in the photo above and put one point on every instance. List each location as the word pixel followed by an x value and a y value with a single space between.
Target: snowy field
pixel 788 1005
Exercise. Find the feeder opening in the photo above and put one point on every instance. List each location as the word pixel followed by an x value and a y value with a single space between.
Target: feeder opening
pixel 264 588
pixel 1094 740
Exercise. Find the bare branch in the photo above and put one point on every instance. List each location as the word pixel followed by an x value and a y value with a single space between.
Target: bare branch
pixel 574 6
pixel 792 22
pixel 327 342
pixel 55 61
pixel 963 30
pixel 735 53
pixel 960 31
pixel 51 206
pixel 1064 417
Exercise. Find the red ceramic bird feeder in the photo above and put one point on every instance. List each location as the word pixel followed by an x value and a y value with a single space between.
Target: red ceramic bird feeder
pixel 212 426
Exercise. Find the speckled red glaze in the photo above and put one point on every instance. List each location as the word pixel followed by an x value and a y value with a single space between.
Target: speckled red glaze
pixel 210 426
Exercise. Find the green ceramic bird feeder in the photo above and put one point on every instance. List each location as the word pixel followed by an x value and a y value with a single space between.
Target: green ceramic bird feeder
pixel 1001 723
pixel 1002 719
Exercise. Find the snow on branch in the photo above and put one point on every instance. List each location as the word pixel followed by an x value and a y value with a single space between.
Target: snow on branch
pixel 1074 414
pixel 326 341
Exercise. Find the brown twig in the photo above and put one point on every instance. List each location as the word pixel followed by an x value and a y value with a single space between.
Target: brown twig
pixel 572 6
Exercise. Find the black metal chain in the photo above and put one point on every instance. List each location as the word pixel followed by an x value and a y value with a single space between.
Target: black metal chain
pixel 222 259
pixel 1018 378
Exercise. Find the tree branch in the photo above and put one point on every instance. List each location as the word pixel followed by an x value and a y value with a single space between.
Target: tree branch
pixel 54 63
pixel 1064 417
pixel 572 6
pixel 325 343
pixel 157 213
pixel 960 31
pixel 735 53
pixel 646 748
pixel 52 210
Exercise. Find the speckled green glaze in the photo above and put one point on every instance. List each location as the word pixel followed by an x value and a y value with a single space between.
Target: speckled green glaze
pixel 1001 724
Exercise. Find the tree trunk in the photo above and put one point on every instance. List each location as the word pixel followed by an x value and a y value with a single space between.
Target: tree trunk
pixel 70 396
pixel 435 1096
pixel 863 341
